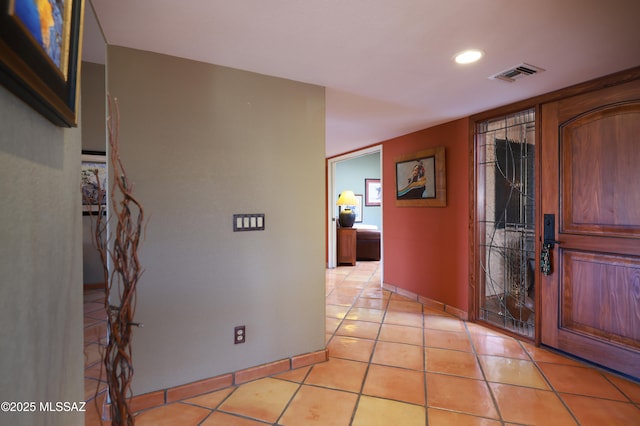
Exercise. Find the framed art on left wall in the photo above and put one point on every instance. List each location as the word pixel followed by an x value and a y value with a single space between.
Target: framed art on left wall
pixel 40 54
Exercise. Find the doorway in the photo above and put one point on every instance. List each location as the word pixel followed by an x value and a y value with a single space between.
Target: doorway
pixel 332 197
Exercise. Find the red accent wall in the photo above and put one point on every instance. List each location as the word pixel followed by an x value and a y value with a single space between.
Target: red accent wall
pixel 426 249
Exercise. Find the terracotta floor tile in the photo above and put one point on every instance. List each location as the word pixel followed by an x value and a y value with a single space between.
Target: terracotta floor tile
pixel 94 410
pixel 456 363
pixel 530 406
pixel 447 340
pixel 263 399
pixel 223 419
pixel 512 371
pixel 368 266
pixel 90 387
pixel 365 314
pixel 211 400
pixel 319 406
pixel 363 329
pixel 100 315
pixel 446 323
pixel 596 412
pixel 332 324
pixel 580 381
pixel 96 333
pixel 395 383
pixel 92 354
pixel 350 348
pixel 173 414
pixel 93 296
pixel 376 293
pixel 450 418
pixel 411 319
pixel 499 346
pixel 349 283
pixel 90 307
pixel 404 305
pixel 401 334
pixel 378 303
pixel 399 355
pixel 375 411
pixel 360 276
pixel 545 355
pixel 417 348
pixel 338 374
pixel 476 328
pixel 460 394
pixel 337 299
pixel 336 311
pixel 298 375
pixel 629 388
pixel 96 371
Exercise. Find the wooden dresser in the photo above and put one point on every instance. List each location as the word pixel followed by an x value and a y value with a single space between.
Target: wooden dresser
pixel 347 246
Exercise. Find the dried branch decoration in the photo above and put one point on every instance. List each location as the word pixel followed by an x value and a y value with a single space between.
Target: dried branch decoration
pixel 119 254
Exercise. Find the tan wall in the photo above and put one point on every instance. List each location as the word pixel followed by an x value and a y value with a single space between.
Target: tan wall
pixel 93 139
pixel 93 107
pixel 41 331
pixel 202 142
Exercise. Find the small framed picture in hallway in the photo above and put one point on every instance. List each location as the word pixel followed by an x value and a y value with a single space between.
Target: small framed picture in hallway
pixel 373 192
pixel 94 177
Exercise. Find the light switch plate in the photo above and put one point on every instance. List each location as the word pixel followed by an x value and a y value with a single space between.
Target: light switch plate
pixel 248 222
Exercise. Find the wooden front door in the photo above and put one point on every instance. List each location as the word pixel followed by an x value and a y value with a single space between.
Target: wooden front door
pixel 591 182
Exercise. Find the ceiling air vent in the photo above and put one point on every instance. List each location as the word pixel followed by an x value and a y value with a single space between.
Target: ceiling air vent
pixel 516 73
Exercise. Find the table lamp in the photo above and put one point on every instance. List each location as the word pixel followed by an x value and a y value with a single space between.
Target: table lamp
pixel 347 216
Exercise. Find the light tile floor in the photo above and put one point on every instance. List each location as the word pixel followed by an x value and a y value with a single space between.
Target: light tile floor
pixel 394 362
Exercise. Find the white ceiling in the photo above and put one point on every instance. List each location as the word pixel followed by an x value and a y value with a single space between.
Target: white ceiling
pixel 386 64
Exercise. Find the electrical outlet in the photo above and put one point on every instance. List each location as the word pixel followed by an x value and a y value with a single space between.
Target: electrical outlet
pixel 239 334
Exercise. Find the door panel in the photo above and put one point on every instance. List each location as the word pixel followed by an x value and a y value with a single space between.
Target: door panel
pixel 595 302
pixel 600 156
pixel 591 182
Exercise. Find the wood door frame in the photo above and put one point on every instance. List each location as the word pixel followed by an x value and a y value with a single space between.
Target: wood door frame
pixel 331 252
pixel 535 102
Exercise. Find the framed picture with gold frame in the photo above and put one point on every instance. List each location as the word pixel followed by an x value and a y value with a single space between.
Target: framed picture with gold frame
pixel 40 53
pixel 421 179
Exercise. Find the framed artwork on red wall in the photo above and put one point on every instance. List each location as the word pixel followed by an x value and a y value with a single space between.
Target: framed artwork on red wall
pixel 421 179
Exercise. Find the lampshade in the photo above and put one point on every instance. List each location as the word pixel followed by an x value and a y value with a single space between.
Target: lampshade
pixel 347 216
pixel 347 198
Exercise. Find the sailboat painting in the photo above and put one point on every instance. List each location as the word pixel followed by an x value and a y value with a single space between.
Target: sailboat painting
pixel 420 179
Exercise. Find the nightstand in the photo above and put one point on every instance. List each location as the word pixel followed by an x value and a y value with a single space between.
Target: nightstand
pixel 347 246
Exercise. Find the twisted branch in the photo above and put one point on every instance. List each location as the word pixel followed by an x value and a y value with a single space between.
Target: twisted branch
pixel 120 249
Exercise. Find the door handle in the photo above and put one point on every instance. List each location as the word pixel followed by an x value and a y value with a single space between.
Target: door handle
pixel 549 240
pixel 549 237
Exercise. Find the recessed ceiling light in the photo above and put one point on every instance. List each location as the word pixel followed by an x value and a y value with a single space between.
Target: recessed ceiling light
pixel 468 56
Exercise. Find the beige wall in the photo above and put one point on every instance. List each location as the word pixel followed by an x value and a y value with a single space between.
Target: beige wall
pixel 93 107
pixel 202 142
pixel 41 330
pixel 93 139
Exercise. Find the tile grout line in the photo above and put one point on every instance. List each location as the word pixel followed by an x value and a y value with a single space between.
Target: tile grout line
pixel 484 376
pixel 546 379
pixel 373 349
